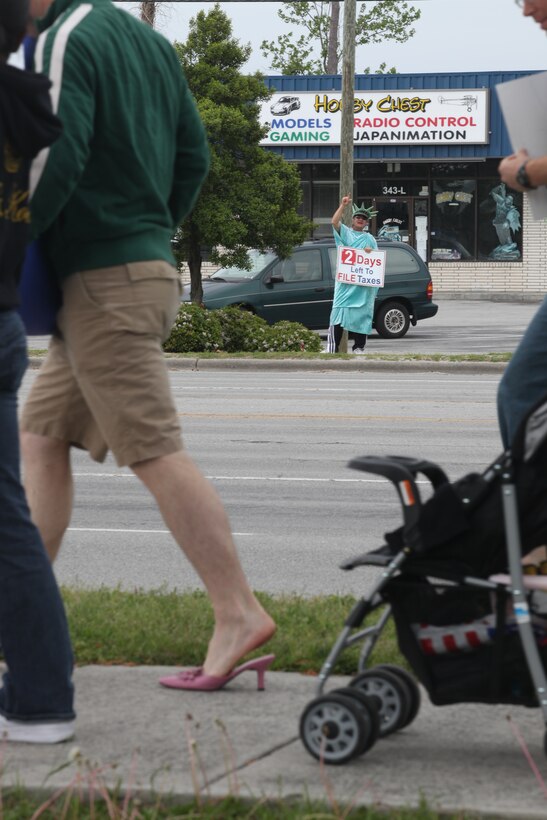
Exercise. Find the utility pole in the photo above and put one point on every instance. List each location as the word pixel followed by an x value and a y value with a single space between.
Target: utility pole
pixel 346 126
pixel 332 50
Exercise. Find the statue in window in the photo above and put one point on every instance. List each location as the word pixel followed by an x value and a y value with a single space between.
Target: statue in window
pixel 506 222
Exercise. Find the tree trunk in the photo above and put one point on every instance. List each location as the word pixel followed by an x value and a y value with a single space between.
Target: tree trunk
pixel 194 263
pixel 148 12
pixel 332 51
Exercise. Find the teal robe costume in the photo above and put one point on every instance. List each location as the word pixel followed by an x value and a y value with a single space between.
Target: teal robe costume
pixel 353 305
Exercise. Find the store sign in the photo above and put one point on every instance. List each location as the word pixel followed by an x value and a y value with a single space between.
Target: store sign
pixel 434 117
pixel 360 267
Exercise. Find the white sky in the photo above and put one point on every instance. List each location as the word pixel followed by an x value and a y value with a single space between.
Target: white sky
pixel 452 35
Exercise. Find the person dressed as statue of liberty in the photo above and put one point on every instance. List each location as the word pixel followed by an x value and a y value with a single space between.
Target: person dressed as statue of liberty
pixel 506 222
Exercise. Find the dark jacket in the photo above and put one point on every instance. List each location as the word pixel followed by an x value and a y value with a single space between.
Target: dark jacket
pixel 27 124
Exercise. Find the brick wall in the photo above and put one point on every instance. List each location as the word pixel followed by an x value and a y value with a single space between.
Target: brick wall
pixel 206 270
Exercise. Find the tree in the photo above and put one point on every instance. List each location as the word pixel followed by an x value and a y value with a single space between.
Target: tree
pixel 251 196
pixel 376 22
pixel 148 12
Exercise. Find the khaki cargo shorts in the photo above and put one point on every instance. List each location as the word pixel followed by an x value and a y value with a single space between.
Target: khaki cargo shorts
pixel 104 384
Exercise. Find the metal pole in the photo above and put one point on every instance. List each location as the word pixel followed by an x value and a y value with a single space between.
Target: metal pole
pixel 346 126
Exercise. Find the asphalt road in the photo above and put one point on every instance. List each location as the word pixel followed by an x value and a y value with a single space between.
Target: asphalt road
pixel 276 445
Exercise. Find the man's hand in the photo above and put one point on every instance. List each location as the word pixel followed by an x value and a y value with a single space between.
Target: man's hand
pixel 509 166
pixel 337 215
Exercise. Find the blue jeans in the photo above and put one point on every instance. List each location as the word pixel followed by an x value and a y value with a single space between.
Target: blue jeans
pixel 33 627
pixel 524 382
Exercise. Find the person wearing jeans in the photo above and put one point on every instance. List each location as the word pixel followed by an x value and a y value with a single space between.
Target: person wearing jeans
pixel 36 697
pixel 524 382
pixel 36 700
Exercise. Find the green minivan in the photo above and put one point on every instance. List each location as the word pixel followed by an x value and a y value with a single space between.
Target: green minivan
pixel 300 288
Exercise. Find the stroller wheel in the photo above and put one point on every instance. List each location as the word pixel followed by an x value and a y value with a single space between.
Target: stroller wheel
pixel 370 707
pixel 414 694
pixel 393 696
pixel 333 728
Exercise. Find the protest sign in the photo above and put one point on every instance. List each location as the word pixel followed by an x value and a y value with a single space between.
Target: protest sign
pixel 355 266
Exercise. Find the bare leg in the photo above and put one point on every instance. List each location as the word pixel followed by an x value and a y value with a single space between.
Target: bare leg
pixel 49 487
pixel 195 515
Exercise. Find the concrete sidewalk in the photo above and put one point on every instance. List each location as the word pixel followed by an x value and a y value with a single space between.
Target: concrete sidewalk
pixel 462 757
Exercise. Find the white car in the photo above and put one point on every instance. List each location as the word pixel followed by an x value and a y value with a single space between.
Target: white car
pixel 285 105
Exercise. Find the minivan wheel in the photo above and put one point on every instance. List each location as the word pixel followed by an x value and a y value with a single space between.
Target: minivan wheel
pixel 392 320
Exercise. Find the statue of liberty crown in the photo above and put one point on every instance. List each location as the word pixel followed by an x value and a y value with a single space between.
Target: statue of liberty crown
pixel 360 209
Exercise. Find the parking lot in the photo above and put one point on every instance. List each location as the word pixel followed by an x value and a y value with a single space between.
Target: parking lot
pixel 462 327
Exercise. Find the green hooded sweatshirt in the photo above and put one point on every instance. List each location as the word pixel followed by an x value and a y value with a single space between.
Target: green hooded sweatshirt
pixel 133 155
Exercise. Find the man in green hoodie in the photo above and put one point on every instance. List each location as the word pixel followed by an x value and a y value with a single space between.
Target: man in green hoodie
pixel 107 198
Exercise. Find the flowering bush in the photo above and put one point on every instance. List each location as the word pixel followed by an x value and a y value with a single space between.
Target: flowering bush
pixel 234 330
pixel 241 330
pixel 292 337
pixel 195 330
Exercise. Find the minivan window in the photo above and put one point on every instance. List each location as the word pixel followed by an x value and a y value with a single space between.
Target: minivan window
pixel 258 262
pixel 333 258
pixel 302 266
pixel 398 260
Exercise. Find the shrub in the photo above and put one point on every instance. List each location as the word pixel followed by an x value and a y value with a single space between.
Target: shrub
pixel 195 330
pixel 241 330
pixel 234 330
pixel 292 337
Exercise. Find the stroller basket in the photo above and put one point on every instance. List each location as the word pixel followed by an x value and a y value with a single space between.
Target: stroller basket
pixel 462 643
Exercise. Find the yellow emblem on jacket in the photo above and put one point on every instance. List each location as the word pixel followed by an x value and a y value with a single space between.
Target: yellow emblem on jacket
pixel 12 162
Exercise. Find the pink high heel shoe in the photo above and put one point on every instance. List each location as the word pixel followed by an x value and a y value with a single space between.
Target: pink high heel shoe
pixel 197 680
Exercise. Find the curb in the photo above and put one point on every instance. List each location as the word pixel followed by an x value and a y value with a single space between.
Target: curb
pixel 322 365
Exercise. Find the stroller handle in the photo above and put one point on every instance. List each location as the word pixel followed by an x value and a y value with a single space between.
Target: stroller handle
pixel 396 469
pixel 435 474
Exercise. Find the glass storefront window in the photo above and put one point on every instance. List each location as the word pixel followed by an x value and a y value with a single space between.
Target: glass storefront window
pixel 326 199
pixel 456 169
pixel 453 219
pixel 467 215
pixel 488 169
pixel 327 170
pixel 499 222
pixel 304 209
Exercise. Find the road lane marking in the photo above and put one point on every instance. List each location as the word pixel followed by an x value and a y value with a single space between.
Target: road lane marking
pixel 339 377
pixel 337 417
pixel 145 532
pixel 256 478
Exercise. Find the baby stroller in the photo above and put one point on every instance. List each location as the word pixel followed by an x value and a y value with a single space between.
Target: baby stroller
pixel 451 577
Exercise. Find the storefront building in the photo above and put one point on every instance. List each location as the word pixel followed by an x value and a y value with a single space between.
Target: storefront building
pixel 427 148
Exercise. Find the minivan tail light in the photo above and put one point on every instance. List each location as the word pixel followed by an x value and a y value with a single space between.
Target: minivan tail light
pixel 429 291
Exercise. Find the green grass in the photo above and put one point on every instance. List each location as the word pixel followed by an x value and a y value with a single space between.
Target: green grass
pixel 163 628
pixel 17 805
pixel 385 357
